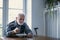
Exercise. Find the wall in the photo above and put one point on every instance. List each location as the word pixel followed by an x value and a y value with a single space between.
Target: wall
pixel 51 24
pixel 58 21
pixel 37 16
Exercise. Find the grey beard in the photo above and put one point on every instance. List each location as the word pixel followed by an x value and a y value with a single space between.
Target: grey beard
pixel 20 23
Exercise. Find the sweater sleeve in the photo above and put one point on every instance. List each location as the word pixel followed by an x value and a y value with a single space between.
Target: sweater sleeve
pixel 27 29
pixel 9 30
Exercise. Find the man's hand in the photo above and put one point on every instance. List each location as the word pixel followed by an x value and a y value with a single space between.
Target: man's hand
pixel 16 30
pixel 29 35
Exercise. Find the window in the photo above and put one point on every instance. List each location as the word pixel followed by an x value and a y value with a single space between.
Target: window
pixel 29 13
pixel 15 6
pixel 1 3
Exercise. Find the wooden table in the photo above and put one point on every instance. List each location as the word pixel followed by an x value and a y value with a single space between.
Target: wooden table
pixel 8 38
pixel 34 38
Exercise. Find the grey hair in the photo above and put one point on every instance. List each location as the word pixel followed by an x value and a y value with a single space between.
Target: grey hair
pixel 20 14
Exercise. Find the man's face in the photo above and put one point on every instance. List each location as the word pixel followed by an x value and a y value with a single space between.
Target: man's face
pixel 20 19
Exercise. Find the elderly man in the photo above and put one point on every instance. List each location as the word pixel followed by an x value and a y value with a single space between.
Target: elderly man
pixel 18 27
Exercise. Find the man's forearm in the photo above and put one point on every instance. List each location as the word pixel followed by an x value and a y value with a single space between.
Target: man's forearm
pixel 10 33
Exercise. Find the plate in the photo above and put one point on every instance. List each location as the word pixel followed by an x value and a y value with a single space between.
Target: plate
pixel 21 35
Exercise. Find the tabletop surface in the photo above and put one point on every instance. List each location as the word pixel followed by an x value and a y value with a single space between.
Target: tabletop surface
pixel 5 38
pixel 19 38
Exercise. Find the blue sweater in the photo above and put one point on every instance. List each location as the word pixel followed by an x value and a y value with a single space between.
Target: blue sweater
pixel 23 28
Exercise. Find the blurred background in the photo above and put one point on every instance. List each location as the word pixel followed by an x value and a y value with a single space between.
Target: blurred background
pixel 41 14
